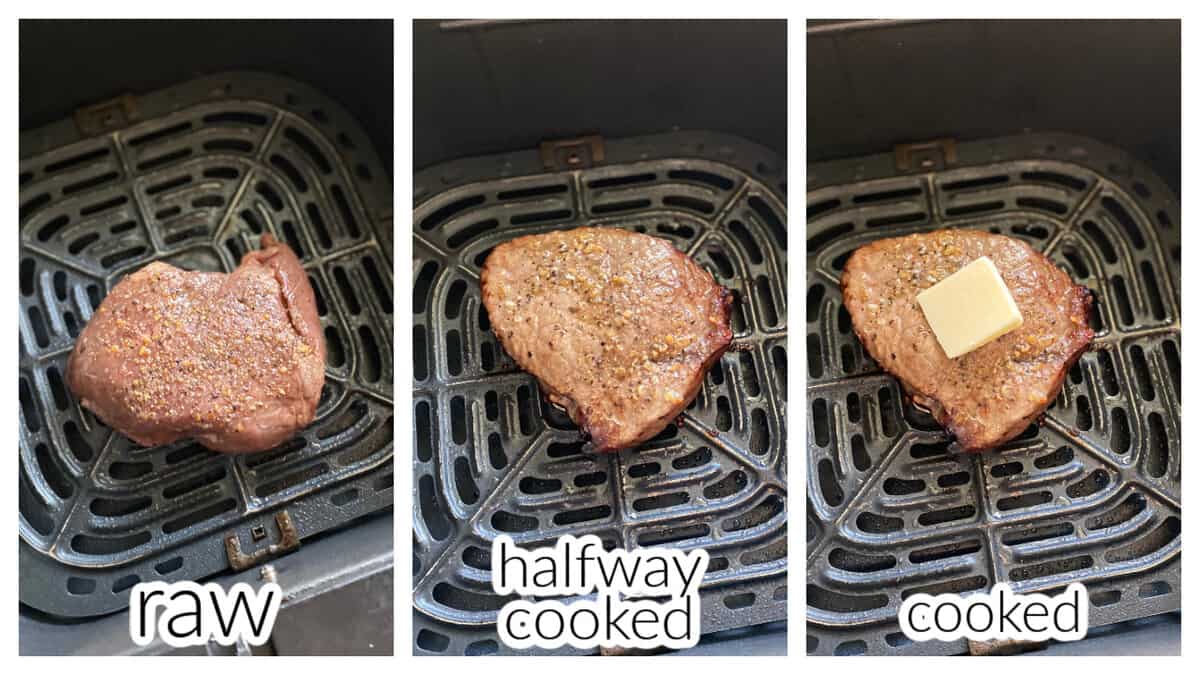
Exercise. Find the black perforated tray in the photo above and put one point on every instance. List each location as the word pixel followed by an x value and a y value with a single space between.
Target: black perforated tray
pixel 193 175
pixel 1091 494
pixel 492 456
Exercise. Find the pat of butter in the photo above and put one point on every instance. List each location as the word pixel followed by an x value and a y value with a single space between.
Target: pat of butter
pixel 969 308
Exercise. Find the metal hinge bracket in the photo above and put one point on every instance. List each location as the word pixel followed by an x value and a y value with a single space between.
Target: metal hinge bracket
pixel 572 153
pixel 289 540
pixel 105 116
pixel 1003 647
pixel 931 155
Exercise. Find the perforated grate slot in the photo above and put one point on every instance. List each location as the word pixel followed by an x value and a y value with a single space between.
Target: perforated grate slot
pixel 492 456
pixel 211 166
pixel 1091 494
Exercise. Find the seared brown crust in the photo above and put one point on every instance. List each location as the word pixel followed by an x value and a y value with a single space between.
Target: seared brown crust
pixel 236 361
pixel 991 394
pixel 618 327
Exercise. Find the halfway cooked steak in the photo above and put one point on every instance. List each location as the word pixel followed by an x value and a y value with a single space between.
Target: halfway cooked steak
pixel 236 360
pixel 991 394
pixel 618 327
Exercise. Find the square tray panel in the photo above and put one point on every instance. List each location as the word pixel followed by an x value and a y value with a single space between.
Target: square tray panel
pixel 493 457
pixel 1091 494
pixel 193 175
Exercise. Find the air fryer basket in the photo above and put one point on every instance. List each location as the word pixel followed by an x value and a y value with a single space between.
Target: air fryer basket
pixel 492 456
pixel 1091 494
pixel 193 175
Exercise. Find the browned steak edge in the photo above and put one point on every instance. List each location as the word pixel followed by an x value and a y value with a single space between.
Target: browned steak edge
pixel 971 444
pixel 724 305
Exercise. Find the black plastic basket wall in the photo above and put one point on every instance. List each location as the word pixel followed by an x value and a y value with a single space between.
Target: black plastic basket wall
pixel 1091 493
pixel 193 175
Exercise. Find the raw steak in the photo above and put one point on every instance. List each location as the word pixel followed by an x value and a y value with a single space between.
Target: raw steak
pixel 236 361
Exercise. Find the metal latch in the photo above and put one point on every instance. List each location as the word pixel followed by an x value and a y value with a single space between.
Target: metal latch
pixel 239 648
pixel 289 540
pixel 1003 647
pixel 572 153
pixel 106 116
pixel 931 155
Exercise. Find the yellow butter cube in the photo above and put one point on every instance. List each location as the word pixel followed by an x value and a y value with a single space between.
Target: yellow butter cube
pixel 970 308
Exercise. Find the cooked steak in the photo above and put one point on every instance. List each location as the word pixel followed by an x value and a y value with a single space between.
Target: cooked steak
pixel 618 327
pixel 991 394
pixel 236 361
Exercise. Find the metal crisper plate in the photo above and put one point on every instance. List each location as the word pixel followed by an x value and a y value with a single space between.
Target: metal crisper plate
pixel 493 457
pixel 192 175
pixel 1092 494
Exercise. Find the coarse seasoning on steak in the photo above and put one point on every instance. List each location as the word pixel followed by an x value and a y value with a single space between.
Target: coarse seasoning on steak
pixel 236 361
pixel 618 327
pixel 991 394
